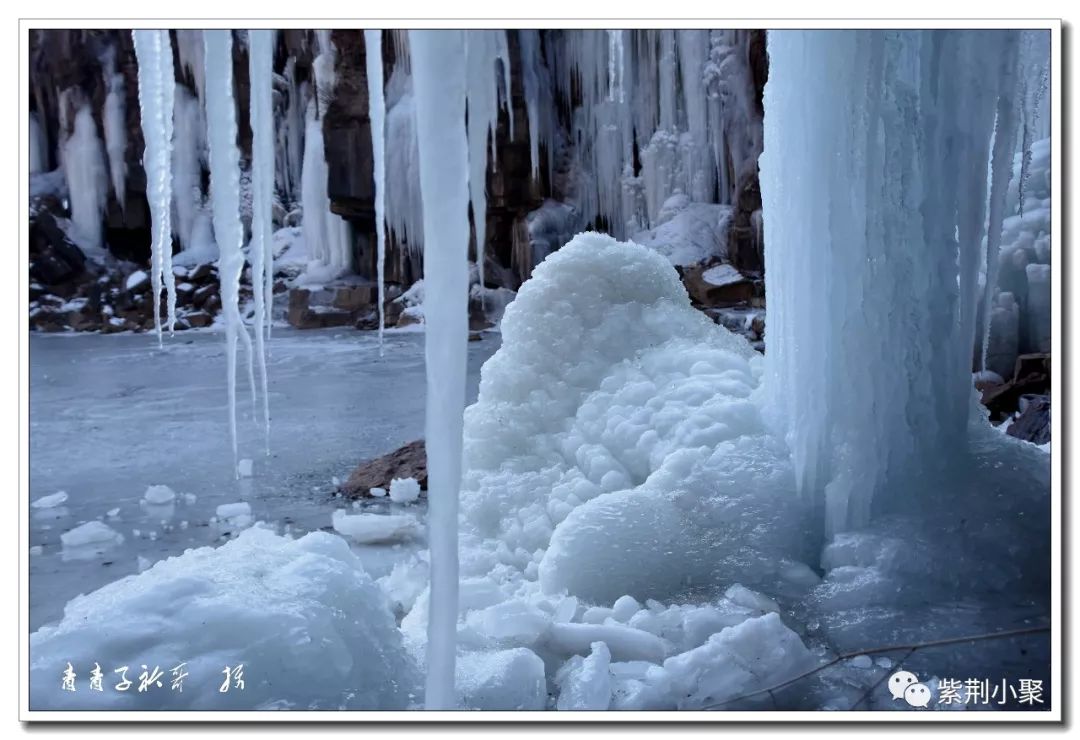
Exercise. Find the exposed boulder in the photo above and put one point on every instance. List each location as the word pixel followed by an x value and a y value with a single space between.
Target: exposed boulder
pixel 409 461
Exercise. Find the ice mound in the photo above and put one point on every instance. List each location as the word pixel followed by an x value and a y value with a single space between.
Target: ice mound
pixel 302 616
pixel 616 447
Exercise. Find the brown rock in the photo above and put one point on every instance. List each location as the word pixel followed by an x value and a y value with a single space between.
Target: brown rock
pixel 706 294
pixel 1033 423
pixel 355 297
pixel 199 319
pixel 407 319
pixel 409 461
pixel 1032 377
pixel 203 294
pixel 201 273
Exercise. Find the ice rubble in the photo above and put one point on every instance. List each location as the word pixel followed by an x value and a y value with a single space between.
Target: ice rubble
pixel 310 627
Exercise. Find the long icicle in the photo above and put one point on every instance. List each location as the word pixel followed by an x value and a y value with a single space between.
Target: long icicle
pixel 225 196
pixel 261 68
pixel 153 51
pixel 438 62
pixel 377 113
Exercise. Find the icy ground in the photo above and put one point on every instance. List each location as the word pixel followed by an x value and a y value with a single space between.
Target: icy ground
pixel 113 415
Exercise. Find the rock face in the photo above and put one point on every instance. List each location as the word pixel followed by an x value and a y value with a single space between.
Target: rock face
pixel 1033 423
pixel 409 461
pixel 66 67
pixel 1030 377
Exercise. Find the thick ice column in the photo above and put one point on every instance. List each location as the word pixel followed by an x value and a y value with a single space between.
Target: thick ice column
pixel 113 120
pixel 873 252
pixel 153 49
pixel 225 198
pixel 86 178
pixel 439 75
pixel 377 114
pixel 261 64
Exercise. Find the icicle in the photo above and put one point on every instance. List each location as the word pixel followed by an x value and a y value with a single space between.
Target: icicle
pixel 189 154
pixel 156 92
pixel 261 65
pixel 225 197
pixel 530 48
pixel 482 49
pixel 439 66
pixel 377 114
pixel 113 120
pixel 506 95
pixel 403 207
pixel 38 157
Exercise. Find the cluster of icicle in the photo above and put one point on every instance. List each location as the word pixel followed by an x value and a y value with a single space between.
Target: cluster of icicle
pixel 682 99
pixel 876 201
pixel 156 93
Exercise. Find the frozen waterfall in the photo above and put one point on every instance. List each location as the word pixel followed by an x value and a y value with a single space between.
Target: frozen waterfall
pixel 875 214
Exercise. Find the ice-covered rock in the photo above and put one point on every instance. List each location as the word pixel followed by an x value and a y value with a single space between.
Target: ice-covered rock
pixel 137 280
pixel 691 234
pixel 309 626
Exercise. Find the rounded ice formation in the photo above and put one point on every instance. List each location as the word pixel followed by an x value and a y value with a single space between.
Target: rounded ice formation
pixel 616 442
pixel 309 626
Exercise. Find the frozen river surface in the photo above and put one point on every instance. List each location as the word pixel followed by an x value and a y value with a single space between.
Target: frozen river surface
pixel 112 415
